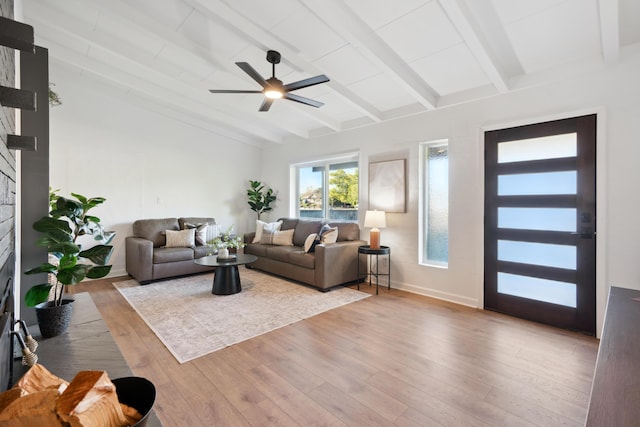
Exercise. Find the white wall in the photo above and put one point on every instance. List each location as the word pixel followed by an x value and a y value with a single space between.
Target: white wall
pixel 148 165
pixel 613 93
pixel 106 143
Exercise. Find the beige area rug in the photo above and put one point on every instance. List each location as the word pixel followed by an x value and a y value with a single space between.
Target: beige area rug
pixel 192 322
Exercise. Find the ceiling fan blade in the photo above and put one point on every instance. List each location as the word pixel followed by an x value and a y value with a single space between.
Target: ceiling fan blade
pixel 233 91
pixel 306 83
pixel 266 104
pixel 252 73
pixel 303 100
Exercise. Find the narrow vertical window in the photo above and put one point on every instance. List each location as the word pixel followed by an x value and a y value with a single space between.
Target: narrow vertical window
pixel 435 203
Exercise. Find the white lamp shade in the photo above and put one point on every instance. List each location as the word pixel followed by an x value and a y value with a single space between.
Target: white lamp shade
pixel 375 219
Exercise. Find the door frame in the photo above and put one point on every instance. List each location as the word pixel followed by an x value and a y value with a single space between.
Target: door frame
pixel 602 285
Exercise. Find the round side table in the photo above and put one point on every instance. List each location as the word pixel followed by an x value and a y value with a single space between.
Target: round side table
pixel 384 250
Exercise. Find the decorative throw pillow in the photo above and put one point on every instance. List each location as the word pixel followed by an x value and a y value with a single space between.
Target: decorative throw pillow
pixel 181 238
pixel 330 236
pixel 281 238
pixel 268 226
pixel 267 237
pixel 201 232
pixel 309 243
pixel 213 231
pixel 325 229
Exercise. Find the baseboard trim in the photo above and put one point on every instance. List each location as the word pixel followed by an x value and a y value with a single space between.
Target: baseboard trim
pixel 445 296
pixel 117 273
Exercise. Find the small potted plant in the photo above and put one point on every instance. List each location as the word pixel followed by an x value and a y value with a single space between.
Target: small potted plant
pixel 68 219
pixel 223 242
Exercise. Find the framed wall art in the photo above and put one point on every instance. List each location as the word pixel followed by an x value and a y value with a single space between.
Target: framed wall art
pixel 387 186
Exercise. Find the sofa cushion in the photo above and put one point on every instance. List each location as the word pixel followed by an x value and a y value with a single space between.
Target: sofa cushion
pixel 165 255
pixel 280 238
pixel 349 231
pixel 280 253
pixel 303 229
pixel 288 223
pixel 256 249
pixel 200 251
pixel 153 229
pixel 302 259
pixel 181 238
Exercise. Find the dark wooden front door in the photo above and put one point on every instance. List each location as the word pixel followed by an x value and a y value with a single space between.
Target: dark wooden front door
pixel 540 221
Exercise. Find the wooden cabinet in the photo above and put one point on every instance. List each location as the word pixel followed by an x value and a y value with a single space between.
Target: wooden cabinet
pixel 615 393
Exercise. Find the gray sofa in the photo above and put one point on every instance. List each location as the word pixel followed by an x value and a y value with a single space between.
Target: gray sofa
pixel 330 265
pixel 148 259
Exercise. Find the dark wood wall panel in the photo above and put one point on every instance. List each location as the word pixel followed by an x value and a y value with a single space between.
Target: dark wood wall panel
pixel 7 157
pixel 34 178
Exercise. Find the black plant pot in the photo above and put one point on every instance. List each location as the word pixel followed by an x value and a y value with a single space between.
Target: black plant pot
pixel 54 320
pixel 137 392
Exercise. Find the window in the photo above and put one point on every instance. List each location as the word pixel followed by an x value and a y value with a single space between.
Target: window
pixel 434 205
pixel 328 189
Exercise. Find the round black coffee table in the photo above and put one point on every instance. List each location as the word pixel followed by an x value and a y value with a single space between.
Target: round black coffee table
pixel 226 277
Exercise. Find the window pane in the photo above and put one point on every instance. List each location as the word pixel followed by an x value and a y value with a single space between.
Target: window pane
pixel 537 183
pixel 311 191
pixel 560 256
pixel 538 289
pixel 437 200
pixel 552 219
pixel 343 192
pixel 548 147
pixel 328 189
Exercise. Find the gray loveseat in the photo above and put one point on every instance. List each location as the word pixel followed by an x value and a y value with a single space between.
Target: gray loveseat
pixel 148 259
pixel 328 266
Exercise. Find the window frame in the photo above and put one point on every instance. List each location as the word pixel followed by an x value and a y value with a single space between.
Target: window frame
pixel 325 162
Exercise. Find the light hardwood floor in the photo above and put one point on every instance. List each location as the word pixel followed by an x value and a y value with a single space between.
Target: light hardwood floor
pixel 396 359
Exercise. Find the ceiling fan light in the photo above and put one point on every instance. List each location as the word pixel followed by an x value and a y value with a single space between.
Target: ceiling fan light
pixel 273 93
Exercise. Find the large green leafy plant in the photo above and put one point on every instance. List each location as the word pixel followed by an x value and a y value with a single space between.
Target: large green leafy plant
pixel 69 219
pixel 260 199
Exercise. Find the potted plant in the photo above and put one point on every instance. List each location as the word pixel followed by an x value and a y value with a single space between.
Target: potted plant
pixel 223 242
pixel 54 99
pixel 68 220
pixel 260 199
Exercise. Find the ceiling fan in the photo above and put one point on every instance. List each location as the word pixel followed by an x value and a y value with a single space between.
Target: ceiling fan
pixel 273 88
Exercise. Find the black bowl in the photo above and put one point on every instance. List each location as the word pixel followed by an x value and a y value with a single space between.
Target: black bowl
pixel 137 392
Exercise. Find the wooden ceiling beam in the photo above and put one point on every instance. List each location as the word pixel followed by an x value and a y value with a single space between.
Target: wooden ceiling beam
pixel 464 23
pixel 344 21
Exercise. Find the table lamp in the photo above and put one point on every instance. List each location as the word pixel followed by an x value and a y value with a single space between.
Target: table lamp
pixel 375 220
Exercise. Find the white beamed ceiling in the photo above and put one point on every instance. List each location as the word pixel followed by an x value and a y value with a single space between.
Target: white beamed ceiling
pixel 385 58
